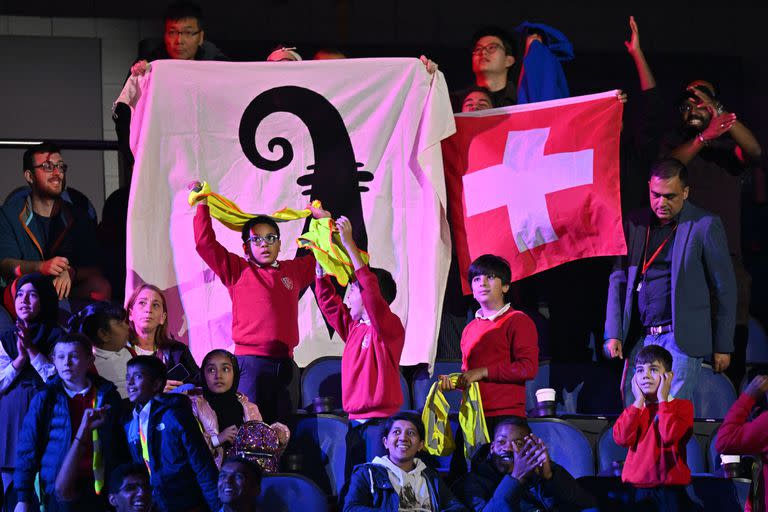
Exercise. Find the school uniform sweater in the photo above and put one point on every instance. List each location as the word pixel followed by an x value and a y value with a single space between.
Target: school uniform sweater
pixel 656 436
pixel 265 300
pixel 370 364
pixel 507 345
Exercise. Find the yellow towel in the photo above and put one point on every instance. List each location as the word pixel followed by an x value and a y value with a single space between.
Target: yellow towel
pixel 439 437
pixel 322 238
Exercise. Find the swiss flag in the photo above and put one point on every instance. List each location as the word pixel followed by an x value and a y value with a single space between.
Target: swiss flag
pixel 537 184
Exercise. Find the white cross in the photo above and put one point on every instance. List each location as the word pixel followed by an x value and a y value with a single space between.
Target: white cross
pixel 520 182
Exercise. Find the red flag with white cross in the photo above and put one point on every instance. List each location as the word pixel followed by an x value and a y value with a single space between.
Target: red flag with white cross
pixel 537 184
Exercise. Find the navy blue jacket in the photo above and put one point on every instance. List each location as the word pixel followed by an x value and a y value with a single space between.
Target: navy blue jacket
pixel 369 488
pixel 486 489
pixel 701 268
pixel 183 474
pixel 47 436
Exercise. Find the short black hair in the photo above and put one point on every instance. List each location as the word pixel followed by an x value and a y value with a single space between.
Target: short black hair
pixel 477 88
pixel 387 284
pixel 509 42
pixel 668 168
pixel 405 416
pixel 93 317
pixel 651 353
pixel 43 147
pixel 259 219
pixel 512 421
pixel 490 265
pixel 256 472
pixel 76 339
pixel 154 367
pixel 122 471
pixel 183 9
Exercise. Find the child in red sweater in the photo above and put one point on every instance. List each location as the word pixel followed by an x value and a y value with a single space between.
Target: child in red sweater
pixel 265 302
pixel 737 436
pixel 499 348
pixel 656 429
pixel 372 333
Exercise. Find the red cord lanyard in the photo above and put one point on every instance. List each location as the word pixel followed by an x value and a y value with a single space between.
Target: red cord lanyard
pixel 648 262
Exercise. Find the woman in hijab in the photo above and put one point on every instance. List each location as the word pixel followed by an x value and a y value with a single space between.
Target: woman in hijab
pixel 24 362
pixel 221 410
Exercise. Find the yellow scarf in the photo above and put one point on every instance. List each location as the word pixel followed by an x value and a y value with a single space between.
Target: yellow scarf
pixel 322 238
pixel 439 437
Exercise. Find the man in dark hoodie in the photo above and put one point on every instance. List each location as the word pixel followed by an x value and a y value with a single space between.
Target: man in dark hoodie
pixel 518 475
pixel 164 435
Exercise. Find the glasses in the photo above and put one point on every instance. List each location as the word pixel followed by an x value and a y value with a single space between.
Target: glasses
pixel 257 240
pixel 49 166
pixel 131 488
pixel 183 33
pixel 490 49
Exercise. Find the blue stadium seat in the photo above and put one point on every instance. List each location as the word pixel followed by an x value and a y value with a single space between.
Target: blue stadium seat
pixel 714 394
pixel 322 377
pixel 322 443
pixel 540 381
pixel 757 343
pixel 567 445
pixel 608 452
pixel 284 492
pixel 421 386
pixel 713 456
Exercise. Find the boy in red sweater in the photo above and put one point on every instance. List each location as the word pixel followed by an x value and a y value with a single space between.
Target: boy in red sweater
pixel 656 429
pixel 372 333
pixel 737 436
pixel 265 303
pixel 499 348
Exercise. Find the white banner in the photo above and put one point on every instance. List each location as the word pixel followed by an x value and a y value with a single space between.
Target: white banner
pixel 320 128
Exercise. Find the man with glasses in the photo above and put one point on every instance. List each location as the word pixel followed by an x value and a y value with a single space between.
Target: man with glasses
pixel 718 150
pixel 41 232
pixel 265 306
pixel 516 473
pixel 129 490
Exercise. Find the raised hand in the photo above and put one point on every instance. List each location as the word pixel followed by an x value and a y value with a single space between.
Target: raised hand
pixel 527 459
pixel 140 68
pixel 318 213
pixel 344 226
pixel 718 125
pixel 170 385
pixel 758 387
pixel 633 45
pixel 429 64
pixel 662 394
pixel 545 470
pixel 92 419
pixel 638 393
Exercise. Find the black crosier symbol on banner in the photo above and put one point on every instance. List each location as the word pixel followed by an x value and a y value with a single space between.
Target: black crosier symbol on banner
pixel 335 178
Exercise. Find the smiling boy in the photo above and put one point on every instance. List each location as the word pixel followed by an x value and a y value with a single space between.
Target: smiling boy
pixel 656 429
pixel 399 480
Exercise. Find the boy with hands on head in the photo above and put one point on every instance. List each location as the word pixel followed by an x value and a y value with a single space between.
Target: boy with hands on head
pixel 656 429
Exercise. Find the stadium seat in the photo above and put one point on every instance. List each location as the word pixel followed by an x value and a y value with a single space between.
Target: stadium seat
pixel 422 386
pixel 284 492
pixel 567 445
pixel 757 343
pixel 322 377
pixel 609 452
pixel 714 394
pixel 540 381
pixel 322 443
pixel 719 494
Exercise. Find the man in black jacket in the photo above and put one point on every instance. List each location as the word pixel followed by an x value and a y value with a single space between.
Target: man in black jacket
pixel 518 475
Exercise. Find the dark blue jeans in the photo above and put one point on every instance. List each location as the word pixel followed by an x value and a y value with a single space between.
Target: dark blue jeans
pixel 265 381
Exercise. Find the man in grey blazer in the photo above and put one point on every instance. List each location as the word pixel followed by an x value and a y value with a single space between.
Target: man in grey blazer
pixel 677 272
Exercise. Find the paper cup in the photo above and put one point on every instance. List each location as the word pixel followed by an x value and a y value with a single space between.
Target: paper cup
pixel 730 459
pixel 545 395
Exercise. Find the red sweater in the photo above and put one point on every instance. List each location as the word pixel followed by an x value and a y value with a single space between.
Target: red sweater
pixel 656 436
pixel 265 300
pixel 739 437
pixel 508 347
pixel 370 365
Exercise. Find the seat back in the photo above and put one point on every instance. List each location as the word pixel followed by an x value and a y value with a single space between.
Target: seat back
pixel 714 394
pixel 285 492
pixel 567 445
pixel 406 394
pixel 531 386
pixel 322 443
pixel 757 342
pixel 322 377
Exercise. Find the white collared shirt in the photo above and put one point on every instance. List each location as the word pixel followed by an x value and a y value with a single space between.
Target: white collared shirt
pixel 479 313
pixel 84 391
pixel 142 418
